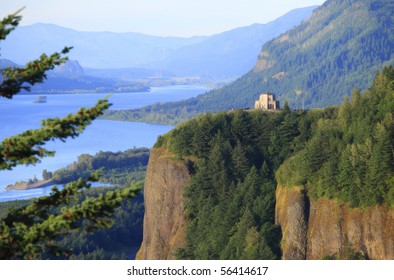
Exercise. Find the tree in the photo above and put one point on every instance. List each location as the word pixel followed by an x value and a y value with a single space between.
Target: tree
pixel 31 232
pixel 237 243
pixel 46 175
pixel 241 163
pixel 346 178
pixel 251 250
pixel 380 166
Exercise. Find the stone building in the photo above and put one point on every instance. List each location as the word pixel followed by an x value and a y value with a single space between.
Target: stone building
pixel 267 102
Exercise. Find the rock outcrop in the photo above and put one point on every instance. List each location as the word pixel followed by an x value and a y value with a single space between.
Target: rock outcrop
pixel 326 228
pixel 263 62
pixel 164 220
pixel 311 229
pixel 290 215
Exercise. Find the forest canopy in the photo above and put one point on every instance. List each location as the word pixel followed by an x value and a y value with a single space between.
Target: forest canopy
pixel 237 159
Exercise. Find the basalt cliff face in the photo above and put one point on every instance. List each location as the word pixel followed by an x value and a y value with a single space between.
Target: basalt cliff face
pixel 311 229
pixel 164 220
pixel 326 228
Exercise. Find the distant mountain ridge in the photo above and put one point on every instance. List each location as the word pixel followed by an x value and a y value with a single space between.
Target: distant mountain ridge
pixel 70 68
pixel 91 49
pixel 231 53
pixel 228 54
pixel 343 44
pixel 70 77
pixel 314 65
pixel 4 63
pixel 317 63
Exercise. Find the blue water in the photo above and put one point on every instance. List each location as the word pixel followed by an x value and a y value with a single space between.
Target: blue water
pixel 21 113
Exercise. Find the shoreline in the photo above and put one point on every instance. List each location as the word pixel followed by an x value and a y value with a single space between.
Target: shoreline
pixel 27 186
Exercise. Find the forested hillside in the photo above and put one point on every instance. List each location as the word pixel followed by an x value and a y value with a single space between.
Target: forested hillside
pixel 350 156
pixel 314 65
pixel 119 168
pixel 231 199
pixel 342 152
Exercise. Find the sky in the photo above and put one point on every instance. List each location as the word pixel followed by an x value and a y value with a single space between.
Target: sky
pixel 181 18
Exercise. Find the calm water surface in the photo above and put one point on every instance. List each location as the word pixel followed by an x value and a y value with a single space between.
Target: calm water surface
pixel 21 113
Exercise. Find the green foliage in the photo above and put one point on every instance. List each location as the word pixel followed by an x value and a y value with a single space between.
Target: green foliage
pixel 9 23
pixel 231 198
pixel 14 79
pixel 27 147
pixel 117 242
pixel 345 153
pixel 350 156
pixel 108 243
pixel 121 168
pixel 46 175
pixel 14 204
pixel 32 231
pixel 319 61
pixel 125 236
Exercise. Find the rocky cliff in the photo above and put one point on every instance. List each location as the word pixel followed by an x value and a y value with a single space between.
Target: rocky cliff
pixel 164 220
pixel 326 228
pixel 311 229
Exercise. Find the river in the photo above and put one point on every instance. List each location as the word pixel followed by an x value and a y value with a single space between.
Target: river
pixel 21 113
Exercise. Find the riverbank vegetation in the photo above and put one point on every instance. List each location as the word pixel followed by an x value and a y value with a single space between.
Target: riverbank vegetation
pixel 122 240
pixel 119 242
pixel 117 168
pixel 120 168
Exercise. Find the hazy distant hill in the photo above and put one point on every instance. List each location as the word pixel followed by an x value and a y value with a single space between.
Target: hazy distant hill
pixel 228 54
pixel 70 77
pixel 127 73
pixel 70 68
pixel 317 63
pixel 4 63
pixel 91 49
pixel 232 53
pixel 343 44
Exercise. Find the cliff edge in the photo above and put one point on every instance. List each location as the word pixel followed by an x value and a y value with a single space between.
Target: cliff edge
pixel 325 228
pixel 164 219
pixel 311 229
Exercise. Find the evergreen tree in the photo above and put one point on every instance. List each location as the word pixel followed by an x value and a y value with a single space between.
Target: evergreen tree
pixel 265 172
pixel 241 163
pixel 202 135
pixel 243 226
pixel 251 250
pixel 46 175
pixel 32 231
pixel 251 187
pixel 350 154
pixel 346 178
pixel 242 127
pixel 380 166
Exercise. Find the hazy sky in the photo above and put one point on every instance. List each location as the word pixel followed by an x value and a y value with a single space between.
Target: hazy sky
pixel 156 17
